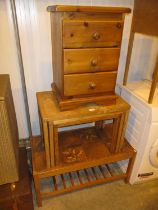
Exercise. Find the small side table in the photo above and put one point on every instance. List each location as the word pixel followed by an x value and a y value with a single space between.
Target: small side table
pixel 57 153
pixel 51 119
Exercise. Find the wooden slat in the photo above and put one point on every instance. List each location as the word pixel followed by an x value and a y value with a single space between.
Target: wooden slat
pixel 55 183
pixel 87 184
pixel 109 169
pixel 71 179
pixel 87 175
pixel 102 172
pixel 79 177
pixel 63 180
pixel 95 175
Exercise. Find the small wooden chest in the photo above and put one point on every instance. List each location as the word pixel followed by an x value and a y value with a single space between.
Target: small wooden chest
pixel 86 45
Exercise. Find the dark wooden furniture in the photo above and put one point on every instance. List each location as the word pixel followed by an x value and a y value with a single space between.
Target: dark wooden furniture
pixel 86 45
pixel 57 153
pixel 144 21
pixel 18 195
pixel 9 139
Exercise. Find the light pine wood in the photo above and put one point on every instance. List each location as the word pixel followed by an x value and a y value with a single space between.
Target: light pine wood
pixel 76 33
pixel 124 123
pixel 78 101
pixel 154 83
pixel 127 153
pixel 50 111
pixel 51 142
pixel 42 171
pixel 91 60
pixel 79 33
pixel 78 84
pixel 129 54
pixel 37 190
pixel 118 146
pixel 130 166
pixel 97 9
pixel 57 63
pixel 115 137
pixel 92 16
pixel 56 144
pixel 46 143
pixel 53 119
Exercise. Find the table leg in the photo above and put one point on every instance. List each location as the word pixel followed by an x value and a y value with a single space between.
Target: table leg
pixel 130 167
pixel 51 142
pixel 46 142
pixel 115 134
pixel 56 145
pixel 37 190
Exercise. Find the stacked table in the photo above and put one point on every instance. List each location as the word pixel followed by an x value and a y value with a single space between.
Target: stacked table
pixel 75 157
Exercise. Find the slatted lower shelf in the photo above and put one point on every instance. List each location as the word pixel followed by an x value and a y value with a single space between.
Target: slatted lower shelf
pixel 79 179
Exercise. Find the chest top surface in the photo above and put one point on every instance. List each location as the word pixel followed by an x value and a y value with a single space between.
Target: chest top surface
pixel 98 9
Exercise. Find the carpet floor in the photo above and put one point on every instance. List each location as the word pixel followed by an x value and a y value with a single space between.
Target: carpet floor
pixel 110 196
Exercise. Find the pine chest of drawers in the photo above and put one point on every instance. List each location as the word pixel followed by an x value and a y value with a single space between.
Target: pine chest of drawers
pixel 86 45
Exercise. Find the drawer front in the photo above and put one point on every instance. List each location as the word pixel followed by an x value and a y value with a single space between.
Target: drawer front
pixel 92 33
pixel 78 84
pixel 90 60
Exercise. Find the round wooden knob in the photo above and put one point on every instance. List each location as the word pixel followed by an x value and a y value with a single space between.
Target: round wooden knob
pixel 94 62
pixel 96 36
pixel 92 85
pixel 118 25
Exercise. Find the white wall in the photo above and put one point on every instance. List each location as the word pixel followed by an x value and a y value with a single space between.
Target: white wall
pixel 9 64
pixel 34 25
pixel 143 59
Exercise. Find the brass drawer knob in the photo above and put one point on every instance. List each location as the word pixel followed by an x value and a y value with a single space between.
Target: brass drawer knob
pixel 94 62
pixel 118 25
pixel 96 36
pixel 92 85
